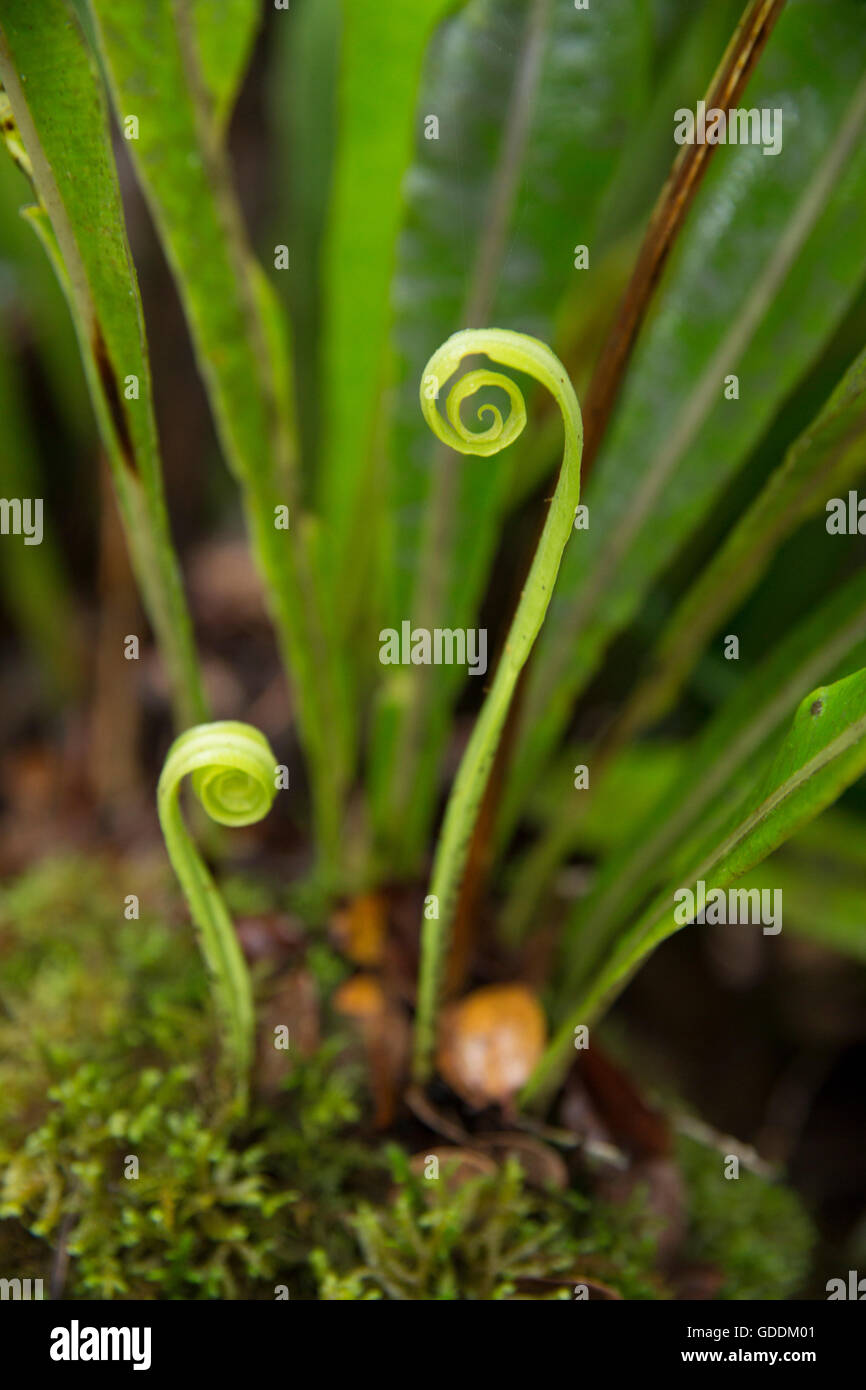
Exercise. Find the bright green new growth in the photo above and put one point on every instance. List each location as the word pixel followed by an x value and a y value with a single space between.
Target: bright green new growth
pixel 232 768
pixel 523 354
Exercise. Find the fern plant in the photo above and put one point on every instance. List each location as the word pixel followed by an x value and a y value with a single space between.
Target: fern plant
pixel 691 601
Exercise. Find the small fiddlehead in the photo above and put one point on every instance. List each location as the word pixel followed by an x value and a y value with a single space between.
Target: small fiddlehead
pixel 233 775
pixel 528 355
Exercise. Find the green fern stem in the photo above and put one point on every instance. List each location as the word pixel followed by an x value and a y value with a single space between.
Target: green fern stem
pixel 528 355
pixel 233 775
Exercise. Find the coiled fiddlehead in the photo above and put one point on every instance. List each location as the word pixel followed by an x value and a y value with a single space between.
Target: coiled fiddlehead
pixel 528 355
pixel 233 775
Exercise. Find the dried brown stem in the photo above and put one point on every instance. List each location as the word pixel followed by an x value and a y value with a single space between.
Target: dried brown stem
pixel 728 83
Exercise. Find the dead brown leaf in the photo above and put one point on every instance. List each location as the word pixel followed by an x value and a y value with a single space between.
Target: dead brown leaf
pixel 490 1041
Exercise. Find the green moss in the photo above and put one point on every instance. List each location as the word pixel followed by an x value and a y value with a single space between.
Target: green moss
pixel 157 1201
pixel 81 981
pixel 489 1238
pixel 107 1045
pixel 755 1231
pixel 106 1041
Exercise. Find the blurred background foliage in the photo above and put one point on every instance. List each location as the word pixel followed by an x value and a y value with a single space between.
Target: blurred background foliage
pixel 706 515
